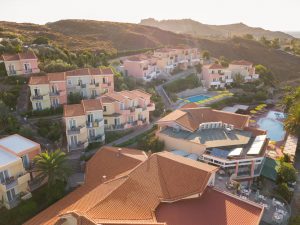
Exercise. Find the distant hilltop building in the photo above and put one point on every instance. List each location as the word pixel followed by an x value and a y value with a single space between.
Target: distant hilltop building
pixel 24 63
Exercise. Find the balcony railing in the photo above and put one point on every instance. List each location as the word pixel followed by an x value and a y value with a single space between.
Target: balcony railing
pixel 79 146
pixel 12 72
pixel 91 124
pixel 96 138
pixel 37 97
pixel 28 71
pixel 9 183
pixel 55 93
pixel 75 130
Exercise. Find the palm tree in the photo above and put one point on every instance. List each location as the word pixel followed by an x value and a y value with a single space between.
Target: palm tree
pixel 51 166
pixel 292 122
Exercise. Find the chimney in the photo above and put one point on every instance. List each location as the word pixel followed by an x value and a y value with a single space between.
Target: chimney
pixel 119 152
pixel 103 178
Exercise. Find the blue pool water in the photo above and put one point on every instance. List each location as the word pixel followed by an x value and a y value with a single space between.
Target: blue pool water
pixel 274 127
pixel 197 98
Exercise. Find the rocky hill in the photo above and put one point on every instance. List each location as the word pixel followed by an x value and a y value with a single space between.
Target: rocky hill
pixel 112 37
pixel 197 29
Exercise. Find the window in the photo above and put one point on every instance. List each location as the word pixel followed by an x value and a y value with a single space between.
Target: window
pixel 25 160
pixel 72 123
pixel 69 82
pixel 104 108
pixel 11 194
pixel 38 105
pixel 27 67
pixel 105 121
pixel 3 176
pixel 92 133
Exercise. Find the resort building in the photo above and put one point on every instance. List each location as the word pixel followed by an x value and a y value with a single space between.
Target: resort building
pixel 216 76
pixel 20 63
pixel 52 90
pixel 243 68
pixel 217 137
pixel 168 59
pixel 125 186
pixel 140 66
pixel 48 91
pixel 90 82
pixel 84 124
pixel 16 155
pixel 126 109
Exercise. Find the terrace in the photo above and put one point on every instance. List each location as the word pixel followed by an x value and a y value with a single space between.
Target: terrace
pixel 211 137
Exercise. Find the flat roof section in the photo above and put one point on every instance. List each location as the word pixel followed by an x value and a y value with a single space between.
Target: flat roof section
pixel 17 143
pixel 216 137
pixel 7 158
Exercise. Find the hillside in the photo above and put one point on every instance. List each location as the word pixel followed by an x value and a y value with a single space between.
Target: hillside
pixel 197 29
pixel 111 37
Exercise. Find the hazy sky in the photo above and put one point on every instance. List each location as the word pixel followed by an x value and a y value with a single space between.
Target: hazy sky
pixel 269 14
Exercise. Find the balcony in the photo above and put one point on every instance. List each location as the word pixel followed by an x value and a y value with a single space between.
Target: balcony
pixel 12 72
pixel 97 138
pixel 9 183
pixel 114 126
pixel 96 123
pixel 23 178
pixel 55 93
pixel 79 146
pixel 13 202
pixel 94 85
pixel 37 97
pixel 28 71
pixel 75 130
pixel 151 107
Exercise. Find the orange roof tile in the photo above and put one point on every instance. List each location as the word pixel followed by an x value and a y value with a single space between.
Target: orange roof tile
pixel 191 118
pixel 56 76
pixel 213 207
pixel 19 56
pixel 90 71
pixel 91 104
pixel 107 161
pixel 35 80
pixel 73 110
pixel 215 66
pixel 133 197
pixel 241 62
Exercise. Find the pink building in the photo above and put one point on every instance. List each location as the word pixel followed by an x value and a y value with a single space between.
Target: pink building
pixel 244 68
pixel 140 66
pixel 215 75
pixel 48 91
pixel 21 63
pixel 125 109
pixel 52 90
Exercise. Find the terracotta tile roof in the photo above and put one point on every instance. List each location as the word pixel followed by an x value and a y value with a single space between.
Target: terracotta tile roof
pixel 90 71
pixel 116 96
pixel 19 56
pixel 56 76
pixel 133 197
pixel 107 161
pixel 35 80
pixel 91 104
pixel 215 66
pixel 241 62
pixel 128 94
pixel 141 93
pixel 73 110
pixel 107 99
pixel 212 208
pixel 193 117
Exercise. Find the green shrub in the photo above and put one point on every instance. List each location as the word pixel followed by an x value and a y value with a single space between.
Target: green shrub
pixel 190 82
pixel 49 129
pixel 74 98
pixel 286 173
pixel 45 112
pixel 284 192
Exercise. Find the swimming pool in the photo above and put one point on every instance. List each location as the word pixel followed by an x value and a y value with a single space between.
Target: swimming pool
pixel 197 98
pixel 274 127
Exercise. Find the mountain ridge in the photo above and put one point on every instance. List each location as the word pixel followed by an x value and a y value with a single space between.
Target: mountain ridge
pixel 113 38
pixel 198 29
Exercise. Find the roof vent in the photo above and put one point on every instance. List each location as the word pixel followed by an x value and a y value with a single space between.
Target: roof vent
pixel 103 178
